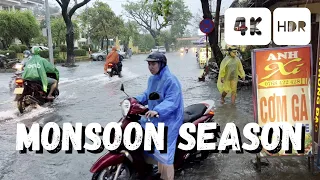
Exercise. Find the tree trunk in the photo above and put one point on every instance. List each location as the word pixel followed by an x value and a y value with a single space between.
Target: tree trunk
pixel 70 43
pixel 102 42
pixel 154 35
pixel 213 36
pixel 107 45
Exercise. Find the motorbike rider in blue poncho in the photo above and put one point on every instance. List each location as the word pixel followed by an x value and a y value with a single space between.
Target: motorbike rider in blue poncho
pixel 169 107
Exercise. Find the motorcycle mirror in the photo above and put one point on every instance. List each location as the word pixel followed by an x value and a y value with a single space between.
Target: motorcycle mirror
pixel 122 88
pixel 154 96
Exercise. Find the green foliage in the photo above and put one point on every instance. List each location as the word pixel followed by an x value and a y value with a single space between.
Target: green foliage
pixel 23 47
pixel 146 42
pixel 102 22
pixel 63 48
pixel 59 29
pixel 18 24
pixel 45 53
pixel 12 54
pixel 15 48
pixel 177 16
pixel 80 52
pixel 85 47
pixel 162 8
pixel 40 40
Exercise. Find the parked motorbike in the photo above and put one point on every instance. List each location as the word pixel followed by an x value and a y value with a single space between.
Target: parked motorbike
pixel 31 93
pixel 246 83
pixel 6 63
pixel 123 162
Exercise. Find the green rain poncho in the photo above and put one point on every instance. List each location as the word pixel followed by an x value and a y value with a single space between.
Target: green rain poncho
pixel 230 69
pixel 37 68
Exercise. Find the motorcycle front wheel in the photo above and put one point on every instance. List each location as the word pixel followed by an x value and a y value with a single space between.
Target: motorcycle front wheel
pixel 109 173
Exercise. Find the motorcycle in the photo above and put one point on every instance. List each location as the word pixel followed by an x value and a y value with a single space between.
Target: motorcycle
pixel 31 93
pixel 114 163
pixel 6 63
pixel 246 83
pixel 112 70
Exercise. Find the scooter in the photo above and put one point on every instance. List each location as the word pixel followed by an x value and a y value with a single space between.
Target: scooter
pixel 31 93
pixel 126 164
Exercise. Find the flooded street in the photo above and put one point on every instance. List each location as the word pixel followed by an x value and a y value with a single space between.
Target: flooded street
pixel 87 96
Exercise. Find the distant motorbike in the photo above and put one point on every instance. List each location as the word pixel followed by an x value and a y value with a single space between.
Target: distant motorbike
pixel 111 70
pixel 187 51
pixel 124 164
pixel 31 92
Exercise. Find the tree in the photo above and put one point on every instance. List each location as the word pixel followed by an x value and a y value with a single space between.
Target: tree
pixel 28 27
pixel 145 14
pixel 130 29
pixel 17 24
pixel 166 10
pixel 67 15
pixel 58 29
pixel 103 23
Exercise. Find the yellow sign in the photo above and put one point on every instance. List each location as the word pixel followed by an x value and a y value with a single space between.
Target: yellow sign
pixel 203 55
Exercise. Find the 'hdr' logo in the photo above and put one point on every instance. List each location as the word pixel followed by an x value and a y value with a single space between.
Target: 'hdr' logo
pixel 291 26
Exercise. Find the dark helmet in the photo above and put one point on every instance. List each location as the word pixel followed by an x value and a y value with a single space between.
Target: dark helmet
pixel 157 57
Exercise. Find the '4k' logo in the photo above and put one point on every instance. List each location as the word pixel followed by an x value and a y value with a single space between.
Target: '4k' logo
pixel 291 26
pixel 240 25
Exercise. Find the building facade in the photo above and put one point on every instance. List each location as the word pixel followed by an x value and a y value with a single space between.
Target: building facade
pixel 19 4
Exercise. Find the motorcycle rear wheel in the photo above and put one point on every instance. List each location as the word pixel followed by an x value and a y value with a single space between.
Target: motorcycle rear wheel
pixel 21 106
pixel 109 172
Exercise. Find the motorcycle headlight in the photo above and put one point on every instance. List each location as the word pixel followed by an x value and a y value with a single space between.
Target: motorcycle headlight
pixel 125 107
pixel 18 66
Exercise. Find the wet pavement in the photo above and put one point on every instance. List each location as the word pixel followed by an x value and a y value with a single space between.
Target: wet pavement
pixel 87 95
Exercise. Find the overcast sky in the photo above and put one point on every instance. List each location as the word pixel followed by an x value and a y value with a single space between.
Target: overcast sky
pixel 116 5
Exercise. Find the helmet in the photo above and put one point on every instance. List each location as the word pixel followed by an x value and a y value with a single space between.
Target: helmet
pixel 36 51
pixel 232 48
pixel 27 52
pixel 157 57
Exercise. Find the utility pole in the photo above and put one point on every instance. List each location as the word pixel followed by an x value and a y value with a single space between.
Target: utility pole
pixel 49 31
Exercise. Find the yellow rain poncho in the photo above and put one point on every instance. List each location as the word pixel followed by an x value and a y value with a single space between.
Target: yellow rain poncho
pixel 230 69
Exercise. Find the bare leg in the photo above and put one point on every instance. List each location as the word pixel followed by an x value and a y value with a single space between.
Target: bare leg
pixel 166 171
pixel 233 98
pixel 224 94
pixel 53 87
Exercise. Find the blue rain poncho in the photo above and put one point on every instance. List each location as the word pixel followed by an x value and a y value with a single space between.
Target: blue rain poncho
pixel 170 109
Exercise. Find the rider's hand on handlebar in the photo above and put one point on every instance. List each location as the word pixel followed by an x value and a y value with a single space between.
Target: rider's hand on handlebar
pixel 222 80
pixel 151 114
pixel 244 78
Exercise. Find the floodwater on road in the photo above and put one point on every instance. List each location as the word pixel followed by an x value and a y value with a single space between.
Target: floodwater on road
pixel 87 95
